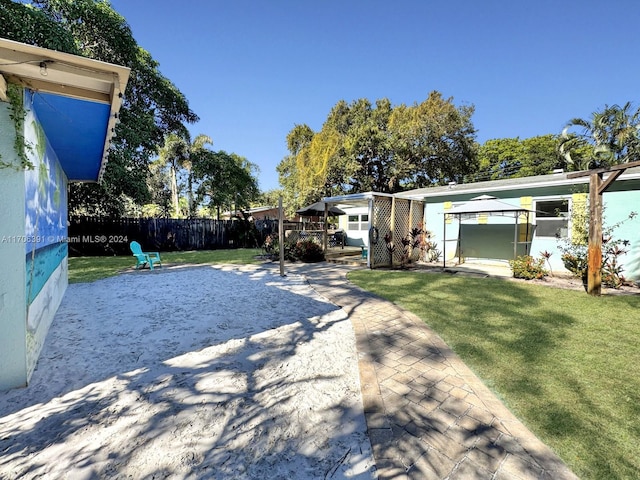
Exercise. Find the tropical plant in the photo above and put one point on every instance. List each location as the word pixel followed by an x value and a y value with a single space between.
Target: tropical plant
pixel 528 268
pixel 179 153
pixel 546 255
pixel 613 135
pixel 574 250
pixel 413 245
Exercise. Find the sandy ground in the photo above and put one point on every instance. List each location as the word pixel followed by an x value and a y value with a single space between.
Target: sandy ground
pixel 208 372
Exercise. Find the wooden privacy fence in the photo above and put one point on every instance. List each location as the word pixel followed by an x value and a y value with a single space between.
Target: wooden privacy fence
pixel 111 236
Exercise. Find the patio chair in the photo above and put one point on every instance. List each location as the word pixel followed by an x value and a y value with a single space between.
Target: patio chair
pixel 144 258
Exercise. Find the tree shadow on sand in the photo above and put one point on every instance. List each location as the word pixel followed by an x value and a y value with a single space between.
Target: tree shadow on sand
pixel 255 394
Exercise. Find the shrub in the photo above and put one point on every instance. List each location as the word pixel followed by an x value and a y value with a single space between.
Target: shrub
pixel 576 258
pixel 307 251
pixel 576 263
pixel 271 248
pixel 527 267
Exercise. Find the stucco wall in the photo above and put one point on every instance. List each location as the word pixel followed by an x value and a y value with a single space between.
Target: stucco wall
pixel 617 207
pixel 618 204
pixel 13 365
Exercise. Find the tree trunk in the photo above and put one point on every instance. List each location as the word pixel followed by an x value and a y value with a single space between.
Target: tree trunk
pixel 594 276
pixel 174 192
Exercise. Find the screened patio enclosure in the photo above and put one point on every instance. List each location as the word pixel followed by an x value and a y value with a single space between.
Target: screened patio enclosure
pixel 479 238
pixel 387 216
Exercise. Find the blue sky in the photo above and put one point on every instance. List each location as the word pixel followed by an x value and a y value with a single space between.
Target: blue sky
pixel 252 70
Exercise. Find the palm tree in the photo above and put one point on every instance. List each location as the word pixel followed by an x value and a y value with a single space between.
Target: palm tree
pixel 173 153
pixel 194 149
pixel 179 152
pixel 613 136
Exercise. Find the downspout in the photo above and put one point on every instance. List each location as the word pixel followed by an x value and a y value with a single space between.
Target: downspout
pixel 527 245
pixel 444 240
pixel 515 239
pixel 459 242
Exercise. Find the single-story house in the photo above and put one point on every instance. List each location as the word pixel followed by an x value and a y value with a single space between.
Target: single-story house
pixel 495 220
pixel 57 117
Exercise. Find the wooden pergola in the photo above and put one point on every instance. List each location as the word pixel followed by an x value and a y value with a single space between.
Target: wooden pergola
pixel 597 186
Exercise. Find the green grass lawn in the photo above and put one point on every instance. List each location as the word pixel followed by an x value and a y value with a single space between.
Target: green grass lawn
pixel 566 364
pixel 89 269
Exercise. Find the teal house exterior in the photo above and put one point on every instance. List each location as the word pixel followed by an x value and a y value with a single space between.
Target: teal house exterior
pixel 57 115
pixel 539 213
pixel 494 221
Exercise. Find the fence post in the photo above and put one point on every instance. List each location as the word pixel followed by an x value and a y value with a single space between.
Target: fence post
pixel 281 235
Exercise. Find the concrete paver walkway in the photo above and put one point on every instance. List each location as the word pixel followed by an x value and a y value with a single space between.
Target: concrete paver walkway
pixel 428 415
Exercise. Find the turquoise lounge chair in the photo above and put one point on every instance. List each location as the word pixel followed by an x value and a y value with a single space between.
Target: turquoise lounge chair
pixel 144 258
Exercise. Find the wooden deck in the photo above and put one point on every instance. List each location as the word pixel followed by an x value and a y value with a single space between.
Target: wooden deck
pixel 347 255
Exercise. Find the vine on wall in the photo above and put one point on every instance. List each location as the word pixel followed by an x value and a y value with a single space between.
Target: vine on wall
pixel 17 113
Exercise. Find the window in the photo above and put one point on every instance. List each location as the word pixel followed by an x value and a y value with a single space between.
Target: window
pixel 358 222
pixel 552 218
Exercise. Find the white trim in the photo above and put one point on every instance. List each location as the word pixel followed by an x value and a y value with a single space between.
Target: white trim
pixel 482 187
pixel 552 198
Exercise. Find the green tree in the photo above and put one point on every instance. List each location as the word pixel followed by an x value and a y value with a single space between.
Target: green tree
pixel 499 158
pixel 152 106
pixel 225 180
pixel 369 159
pixel 159 182
pixel 268 198
pixel 364 146
pixel 511 157
pixel 298 141
pixel 612 134
pixel 179 154
pixel 434 142
pixel 541 156
pixel 26 24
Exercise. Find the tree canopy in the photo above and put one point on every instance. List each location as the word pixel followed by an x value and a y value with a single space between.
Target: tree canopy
pixel 610 137
pixel 512 157
pixel 152 107
pixel 363 146
pixel 225 180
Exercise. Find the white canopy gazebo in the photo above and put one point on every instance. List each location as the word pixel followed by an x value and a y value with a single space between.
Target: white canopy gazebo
pixel 485 204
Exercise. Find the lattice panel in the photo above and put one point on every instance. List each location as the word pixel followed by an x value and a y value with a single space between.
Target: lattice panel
pixel 417 219
pixel 382 221
pixel 408 214
pixel 401 227
pixel 417 214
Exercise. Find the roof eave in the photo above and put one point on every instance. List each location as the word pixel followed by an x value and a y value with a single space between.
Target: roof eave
pixel 481 187
pixel 64 74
